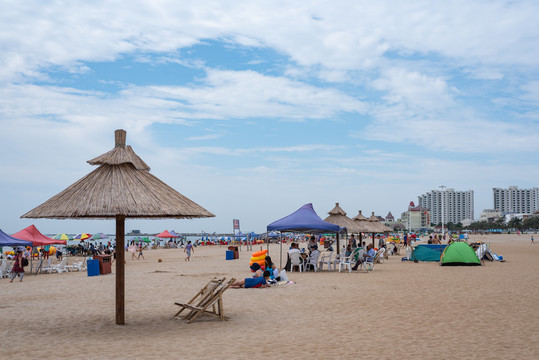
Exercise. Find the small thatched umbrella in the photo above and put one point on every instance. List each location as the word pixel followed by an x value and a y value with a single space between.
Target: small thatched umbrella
pixel 121 187
pixel 338 216
pixel 363 225
pixel 380 228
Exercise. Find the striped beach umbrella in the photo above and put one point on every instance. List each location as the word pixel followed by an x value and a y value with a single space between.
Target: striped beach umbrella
pixel 63 237
pixel 82 236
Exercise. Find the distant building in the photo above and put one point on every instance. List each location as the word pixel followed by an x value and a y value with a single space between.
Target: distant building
pixel 516 201
pixel 458 205
pixel 490 215
pixel 389 218
pixel 416 218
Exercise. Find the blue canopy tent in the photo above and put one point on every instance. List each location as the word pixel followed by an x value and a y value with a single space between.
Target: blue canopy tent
pixel 6 240
pixel 304 219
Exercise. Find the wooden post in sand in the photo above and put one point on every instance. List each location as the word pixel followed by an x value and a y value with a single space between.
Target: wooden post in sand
pixel 120 270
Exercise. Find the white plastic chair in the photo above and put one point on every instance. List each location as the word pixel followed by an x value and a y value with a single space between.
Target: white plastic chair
pixel 327 259
pixel 296 260
pixel 49 267
pixel 368 265
pixel 313 260
pixel 79 266
pixel 345 262
pixel 4 269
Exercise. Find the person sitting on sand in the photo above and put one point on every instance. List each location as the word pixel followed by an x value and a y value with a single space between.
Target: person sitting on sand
pixel 270 266
pixel 367 256
pixel 248 283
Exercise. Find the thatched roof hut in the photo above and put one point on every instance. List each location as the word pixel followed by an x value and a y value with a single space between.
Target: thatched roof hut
pixel 338 216
pixel 121 187
pixel 363 224
pixel 379 226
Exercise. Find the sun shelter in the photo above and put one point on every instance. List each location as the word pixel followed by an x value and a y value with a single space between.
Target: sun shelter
pixel 363 225
pixel 31 233
pixel 6 240
pixel 459 253
pixel 338 216
pixel 304 219
pixel 428 252
pixel 121 187
pixel 166 234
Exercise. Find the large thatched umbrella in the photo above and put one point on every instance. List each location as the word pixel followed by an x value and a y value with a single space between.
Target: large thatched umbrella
pixel 338 216
pixel 121 187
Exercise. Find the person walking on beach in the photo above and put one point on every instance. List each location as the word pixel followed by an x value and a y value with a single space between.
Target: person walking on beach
pixel 188 249
pixel 533 242
pixel 18 268
pixel 140 252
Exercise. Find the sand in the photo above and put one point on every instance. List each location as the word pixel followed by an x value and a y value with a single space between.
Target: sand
pixel 400 310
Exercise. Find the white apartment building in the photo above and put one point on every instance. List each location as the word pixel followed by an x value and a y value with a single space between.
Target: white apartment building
pixel 458 205
pixel 515 200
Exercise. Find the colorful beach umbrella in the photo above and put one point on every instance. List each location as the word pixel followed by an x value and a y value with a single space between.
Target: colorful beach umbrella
pixel 82 236
pixel 99 236
pixel 63 237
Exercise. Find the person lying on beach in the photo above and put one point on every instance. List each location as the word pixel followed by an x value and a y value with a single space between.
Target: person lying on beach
pixel 253 282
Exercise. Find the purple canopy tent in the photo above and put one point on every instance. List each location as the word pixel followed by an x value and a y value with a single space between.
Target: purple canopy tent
pixel 6 240
pixel 304 219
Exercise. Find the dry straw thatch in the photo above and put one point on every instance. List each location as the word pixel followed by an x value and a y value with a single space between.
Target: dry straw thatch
pixel 379 226
pixel 338 216
pixel 121 185
pixel 363 224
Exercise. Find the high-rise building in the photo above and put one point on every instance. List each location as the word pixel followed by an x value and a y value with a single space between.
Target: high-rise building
pixel 458 205
pixel 515 200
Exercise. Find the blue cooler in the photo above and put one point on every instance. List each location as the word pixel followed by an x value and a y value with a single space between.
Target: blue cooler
pixel 93 267
pixel 230 255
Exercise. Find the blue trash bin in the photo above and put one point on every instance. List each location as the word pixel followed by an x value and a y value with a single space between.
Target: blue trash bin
pixel 230 255
pixel 93 267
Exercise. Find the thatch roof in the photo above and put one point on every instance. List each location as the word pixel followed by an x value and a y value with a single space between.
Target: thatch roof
pixel 363 224
pixel 121 185
pixel 379 226
pixel 338 216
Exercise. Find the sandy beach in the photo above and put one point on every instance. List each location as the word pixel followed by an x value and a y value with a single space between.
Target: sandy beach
pixel 400 310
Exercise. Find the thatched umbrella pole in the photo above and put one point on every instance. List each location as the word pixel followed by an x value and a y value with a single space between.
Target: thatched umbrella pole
pixel 121 187
pixel 120 270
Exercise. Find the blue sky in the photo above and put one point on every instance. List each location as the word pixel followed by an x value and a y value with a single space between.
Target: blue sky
pixel 252 109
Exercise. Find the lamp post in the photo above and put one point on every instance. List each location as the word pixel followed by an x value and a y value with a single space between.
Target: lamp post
pixel 442 187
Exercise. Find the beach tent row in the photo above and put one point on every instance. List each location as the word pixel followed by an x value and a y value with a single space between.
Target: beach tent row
pixel 454 254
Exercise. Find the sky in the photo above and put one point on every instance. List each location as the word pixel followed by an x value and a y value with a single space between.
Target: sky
pixel 255 108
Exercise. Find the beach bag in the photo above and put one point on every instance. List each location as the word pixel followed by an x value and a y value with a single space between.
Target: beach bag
pixel 283 275
pixel 24 262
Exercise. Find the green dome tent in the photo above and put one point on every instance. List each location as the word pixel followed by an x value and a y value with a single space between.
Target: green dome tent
pixel 459 253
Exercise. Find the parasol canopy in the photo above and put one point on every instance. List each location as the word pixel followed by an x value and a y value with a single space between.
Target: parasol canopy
pixel 63 237
pixel 121 187
pixel 82 236
pixel 99 236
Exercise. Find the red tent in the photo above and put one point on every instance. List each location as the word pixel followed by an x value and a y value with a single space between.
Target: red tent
pixel 31 233
pixel 165 234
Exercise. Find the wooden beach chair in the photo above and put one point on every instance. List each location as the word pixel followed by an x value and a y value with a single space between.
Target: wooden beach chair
pixel 208 300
